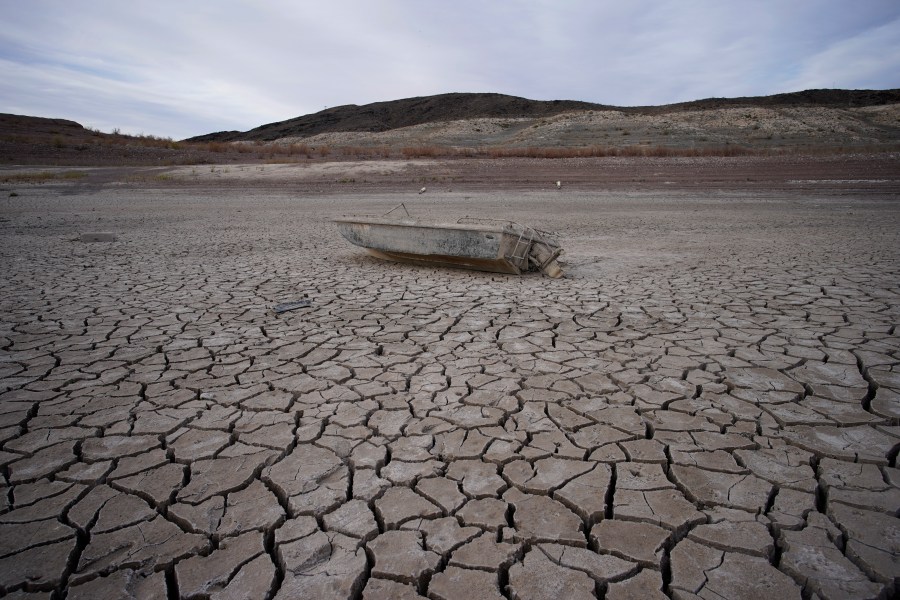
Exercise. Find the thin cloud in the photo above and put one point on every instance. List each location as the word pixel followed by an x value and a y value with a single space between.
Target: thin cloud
pixel 185 68
pixel 867 59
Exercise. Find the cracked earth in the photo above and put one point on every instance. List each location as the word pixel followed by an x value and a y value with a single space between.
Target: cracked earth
pixel 706 407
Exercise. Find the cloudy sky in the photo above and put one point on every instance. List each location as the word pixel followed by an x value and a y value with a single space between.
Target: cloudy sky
pixel 185 67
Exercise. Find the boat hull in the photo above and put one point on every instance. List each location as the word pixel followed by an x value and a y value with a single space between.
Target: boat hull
pixel 483 248
pixel 498 265
pixel 479 244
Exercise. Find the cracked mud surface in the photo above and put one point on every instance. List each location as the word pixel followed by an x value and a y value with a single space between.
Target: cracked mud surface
pixel 706 407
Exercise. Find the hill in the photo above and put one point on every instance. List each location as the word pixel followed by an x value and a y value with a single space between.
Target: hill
pixel 394 114
pixel 386 116
pixel 492 125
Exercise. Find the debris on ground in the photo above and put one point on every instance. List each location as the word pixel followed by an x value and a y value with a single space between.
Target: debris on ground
pixel 294 305
pixel 98 236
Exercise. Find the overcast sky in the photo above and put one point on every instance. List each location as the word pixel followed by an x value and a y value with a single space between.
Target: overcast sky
pixel 186 67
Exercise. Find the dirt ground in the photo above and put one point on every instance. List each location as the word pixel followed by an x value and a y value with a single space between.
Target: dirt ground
pixel 876 173
pixel 707 405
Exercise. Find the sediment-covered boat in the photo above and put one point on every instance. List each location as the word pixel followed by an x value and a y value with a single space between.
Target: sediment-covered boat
pixel 481 244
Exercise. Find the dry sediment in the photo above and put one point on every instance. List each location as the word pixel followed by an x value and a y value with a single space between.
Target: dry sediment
pixel 707 406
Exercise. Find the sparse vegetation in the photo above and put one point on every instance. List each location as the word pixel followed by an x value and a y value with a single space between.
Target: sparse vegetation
pixel 40 176
pixel 706 131
pixel 425 151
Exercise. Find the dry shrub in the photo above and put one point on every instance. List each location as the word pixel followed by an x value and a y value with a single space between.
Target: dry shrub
pixel 603 151
pixel 40 177
pixel 355 151
pixel 424 151
pixel 271 150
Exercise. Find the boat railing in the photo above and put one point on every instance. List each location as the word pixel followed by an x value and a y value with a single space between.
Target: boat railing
pixel 521 254
pixel 401 205
pixel 522 248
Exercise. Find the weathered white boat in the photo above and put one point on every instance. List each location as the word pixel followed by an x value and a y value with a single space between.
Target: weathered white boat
pixel 480 244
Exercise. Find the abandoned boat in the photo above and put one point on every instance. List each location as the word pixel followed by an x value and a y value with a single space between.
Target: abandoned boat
pixel 480 244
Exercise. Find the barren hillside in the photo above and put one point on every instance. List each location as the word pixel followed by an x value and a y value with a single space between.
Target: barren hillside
pixel 810 118
pixel 751 127
pixel 492 125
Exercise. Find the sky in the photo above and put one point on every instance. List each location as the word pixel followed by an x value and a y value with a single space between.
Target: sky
pixel 179 68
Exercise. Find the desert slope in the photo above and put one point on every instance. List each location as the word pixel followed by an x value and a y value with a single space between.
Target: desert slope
pixel 814 116
pixel 492 125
